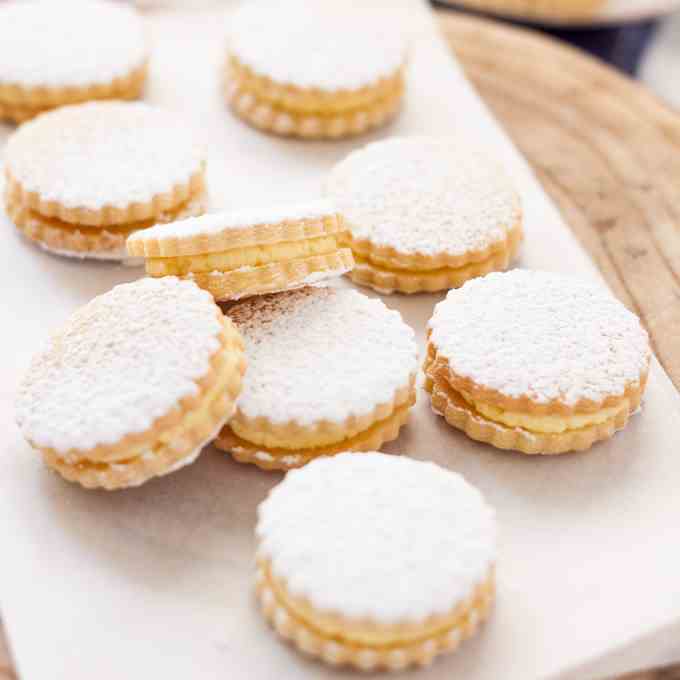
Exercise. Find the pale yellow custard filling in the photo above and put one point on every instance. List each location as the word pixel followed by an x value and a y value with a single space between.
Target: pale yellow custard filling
pixel 252 256
pixel 546 424
pixel 293 439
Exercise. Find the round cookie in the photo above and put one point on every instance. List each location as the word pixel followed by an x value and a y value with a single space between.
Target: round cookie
pixel 248 252
pixel 134 385
pixel 330 371
pixel 58 53
pixel 425 213
pixel 81 179
pixel 307 70
pixel 535 361
pixel 375 561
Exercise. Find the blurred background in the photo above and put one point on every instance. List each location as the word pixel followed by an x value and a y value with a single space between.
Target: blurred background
pixel 639 37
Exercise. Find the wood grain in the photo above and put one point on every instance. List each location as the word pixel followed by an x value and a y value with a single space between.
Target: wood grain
pixel 608 153
pixel 604 148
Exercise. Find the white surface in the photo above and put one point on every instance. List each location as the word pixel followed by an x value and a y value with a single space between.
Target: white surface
pixel 661 62
pixel 157 581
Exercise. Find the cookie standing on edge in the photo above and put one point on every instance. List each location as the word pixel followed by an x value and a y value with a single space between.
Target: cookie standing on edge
pixel 58 53
pixel 425 213
pixel 81 179
pixel 375 561
pixel 248 252
pixel 313 70
pixel 134 385
pixel 330 370
pixel 535 361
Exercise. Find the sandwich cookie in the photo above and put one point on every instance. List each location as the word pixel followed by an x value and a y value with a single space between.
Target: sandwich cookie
pixel 247 252
pixel 313 70
pixel 375 561
pixel 535 361
pixel 425 213
pixel 330 370
pixel 134 385
pixel 58 53
pixel 81 179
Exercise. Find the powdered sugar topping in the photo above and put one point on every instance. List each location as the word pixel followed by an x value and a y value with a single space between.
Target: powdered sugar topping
pixel 424 195
pixel 69 43
pixel 542 335
pixel 378 536
pixel 103 153
pixel 216 223
pixel 324 44
pixel 120 362
pixel 321 353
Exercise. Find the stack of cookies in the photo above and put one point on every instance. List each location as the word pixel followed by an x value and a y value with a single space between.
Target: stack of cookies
pixel 239 335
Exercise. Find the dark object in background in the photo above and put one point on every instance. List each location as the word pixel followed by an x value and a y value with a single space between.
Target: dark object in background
pixel 621 46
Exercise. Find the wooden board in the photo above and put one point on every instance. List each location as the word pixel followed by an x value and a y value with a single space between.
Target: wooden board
pixel 606 150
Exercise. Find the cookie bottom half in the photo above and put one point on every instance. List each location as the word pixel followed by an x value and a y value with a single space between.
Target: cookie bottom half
pixel 371 439
pixel 19 105
pixel 460 412
pixel 370 646
pixel 270 117
pixel 79 241
pixel 393 279
pixel 274 277
pixel 175 446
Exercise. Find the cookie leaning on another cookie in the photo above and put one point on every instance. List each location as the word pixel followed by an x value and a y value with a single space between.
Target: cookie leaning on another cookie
pixel 58 53
pixel 375 561
pixel 248 252
pixel 134 385
pixel 81 179
pixel 330 370
pixel 535 361
pixel 425 213
pixel 313 70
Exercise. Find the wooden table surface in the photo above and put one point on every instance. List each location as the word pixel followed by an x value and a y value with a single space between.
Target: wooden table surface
pixel 607 151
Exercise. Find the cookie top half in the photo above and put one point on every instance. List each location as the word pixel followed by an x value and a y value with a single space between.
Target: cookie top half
pixel 438 198
pixel 541 337
pixel 314 46
pixel 128 358
pixel 104 162
pixel 321 354
pixel 348 533
pixel 71 43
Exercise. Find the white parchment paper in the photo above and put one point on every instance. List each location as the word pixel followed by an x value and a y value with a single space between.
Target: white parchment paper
pixel 156 582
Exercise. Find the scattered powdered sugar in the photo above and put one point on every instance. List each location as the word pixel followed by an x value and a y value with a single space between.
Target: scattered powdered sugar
pixel 424 195
pixel 378 536
pixel 322 44
pixel 103 153
pixel 69 43
pixel 321 353
pixel 216 223
pixel 120 362
pixel 540 334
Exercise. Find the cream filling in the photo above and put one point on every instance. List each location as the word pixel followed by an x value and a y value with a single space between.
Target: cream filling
pixel 229 260
pixel 545 424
